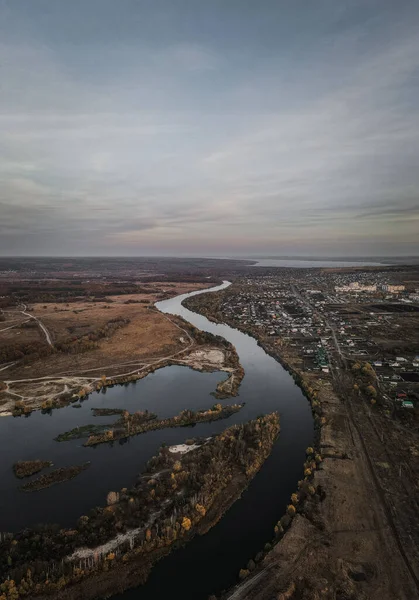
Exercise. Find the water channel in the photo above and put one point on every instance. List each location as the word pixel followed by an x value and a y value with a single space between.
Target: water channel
pixel 209 563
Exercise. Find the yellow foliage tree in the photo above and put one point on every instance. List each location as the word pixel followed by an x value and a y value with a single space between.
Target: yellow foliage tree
pixel 371 391
pixel 200 509
pixel 186 523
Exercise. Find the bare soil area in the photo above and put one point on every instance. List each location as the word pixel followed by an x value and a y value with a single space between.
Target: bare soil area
pixel 343 546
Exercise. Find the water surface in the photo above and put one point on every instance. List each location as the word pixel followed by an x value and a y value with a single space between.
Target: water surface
pixel 312 264
pixel 211 563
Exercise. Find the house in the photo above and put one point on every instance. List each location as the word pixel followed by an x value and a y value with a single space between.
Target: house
pixel 393 289
pixel 407 404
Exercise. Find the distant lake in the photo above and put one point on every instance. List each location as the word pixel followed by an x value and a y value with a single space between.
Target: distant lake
pixel 311 264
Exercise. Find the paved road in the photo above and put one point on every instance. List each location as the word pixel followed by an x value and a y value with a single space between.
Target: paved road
pixel 321 316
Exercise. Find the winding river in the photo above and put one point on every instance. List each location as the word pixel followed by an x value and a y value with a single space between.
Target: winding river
pixel 211 563
pixel 207 564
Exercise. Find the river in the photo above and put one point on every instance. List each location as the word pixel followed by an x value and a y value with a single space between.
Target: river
pixel 209 563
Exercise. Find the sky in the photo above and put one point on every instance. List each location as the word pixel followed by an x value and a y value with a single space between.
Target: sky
pixel 209 127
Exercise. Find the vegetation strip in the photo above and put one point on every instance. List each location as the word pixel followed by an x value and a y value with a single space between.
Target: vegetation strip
pixel 106 412
pixel 57 476
pixel 139 422
pixel 131 424
pixel 26 468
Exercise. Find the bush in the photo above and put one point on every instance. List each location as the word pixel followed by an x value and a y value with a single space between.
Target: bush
pixel 251 565
pixel 371 391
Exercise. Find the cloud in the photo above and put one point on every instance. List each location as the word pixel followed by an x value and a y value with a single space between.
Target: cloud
pixel 208 143
pixel 187 57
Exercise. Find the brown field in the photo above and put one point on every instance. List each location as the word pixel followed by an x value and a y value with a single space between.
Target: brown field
pixel 14 331
pixel 149 336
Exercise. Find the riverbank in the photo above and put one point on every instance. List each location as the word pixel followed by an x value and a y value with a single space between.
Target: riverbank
pixel 339 543
pixel 203 352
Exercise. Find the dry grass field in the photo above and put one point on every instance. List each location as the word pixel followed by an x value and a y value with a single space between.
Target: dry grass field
pixel 142 336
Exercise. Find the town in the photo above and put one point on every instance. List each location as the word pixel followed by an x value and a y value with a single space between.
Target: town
pixel 349 337
pixel 322 319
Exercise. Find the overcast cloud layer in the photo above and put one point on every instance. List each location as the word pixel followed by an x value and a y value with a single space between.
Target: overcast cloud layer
pixel 225 127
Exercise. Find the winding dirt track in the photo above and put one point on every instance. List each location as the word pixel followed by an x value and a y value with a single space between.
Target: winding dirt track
pixel 66 378
pixel 41 325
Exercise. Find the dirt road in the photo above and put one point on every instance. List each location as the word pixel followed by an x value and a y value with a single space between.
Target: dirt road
pixel 41 325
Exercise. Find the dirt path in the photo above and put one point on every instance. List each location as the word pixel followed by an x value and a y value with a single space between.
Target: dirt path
pixel 67 378
pixel 41 325
pixel 13 326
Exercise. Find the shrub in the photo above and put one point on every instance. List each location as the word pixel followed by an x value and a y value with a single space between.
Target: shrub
pixel 251 565
pixel 371 391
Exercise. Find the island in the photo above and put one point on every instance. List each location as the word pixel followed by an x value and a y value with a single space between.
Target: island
pixel 54 477
pixel 26 468
pixel 184 491
pixel 130 424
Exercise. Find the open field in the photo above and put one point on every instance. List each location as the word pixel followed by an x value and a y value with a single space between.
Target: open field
pixel 128 333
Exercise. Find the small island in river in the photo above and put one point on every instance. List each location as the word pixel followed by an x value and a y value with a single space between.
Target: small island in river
pixel 130 424
pixel 54 477
pixel 115 547
pixel 26 468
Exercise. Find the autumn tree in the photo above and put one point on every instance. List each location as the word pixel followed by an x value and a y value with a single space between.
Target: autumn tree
pixel 371 391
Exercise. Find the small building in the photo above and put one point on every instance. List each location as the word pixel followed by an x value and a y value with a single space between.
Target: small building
pixel 407 404
pixel 393 289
